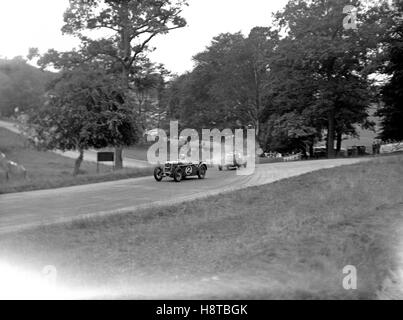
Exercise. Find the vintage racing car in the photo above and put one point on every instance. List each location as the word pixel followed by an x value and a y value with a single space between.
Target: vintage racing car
pixel 232 160
pixel 180 170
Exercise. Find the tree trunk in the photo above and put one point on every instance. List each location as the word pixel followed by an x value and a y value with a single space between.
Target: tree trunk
pixel 125 39
pixel 78 162
pixel 331 133
pixel 311 149
pixel 258 106
pixel 118 158
pixel 339 142
pixel 119 149
pixel 257 133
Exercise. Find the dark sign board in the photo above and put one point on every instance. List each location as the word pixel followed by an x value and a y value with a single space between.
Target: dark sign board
pixel 106 157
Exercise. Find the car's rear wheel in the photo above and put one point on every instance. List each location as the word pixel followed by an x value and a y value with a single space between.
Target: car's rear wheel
pixel 202 172
pixel 178 175
pixel 158 174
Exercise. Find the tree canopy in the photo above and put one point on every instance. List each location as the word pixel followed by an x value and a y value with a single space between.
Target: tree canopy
pixel 392 94
pixel 85 109
pixel 22 86
pixel 303 79
pixel 130 25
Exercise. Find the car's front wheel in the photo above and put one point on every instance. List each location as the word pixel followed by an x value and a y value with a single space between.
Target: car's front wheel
pixel 158 174
pixel 202 172
pixel 178 175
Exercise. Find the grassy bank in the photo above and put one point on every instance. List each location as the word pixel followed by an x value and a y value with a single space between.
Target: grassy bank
pixel 48 170
pixel 289 240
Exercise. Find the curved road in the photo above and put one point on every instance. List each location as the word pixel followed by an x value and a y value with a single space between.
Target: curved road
pixel 29 209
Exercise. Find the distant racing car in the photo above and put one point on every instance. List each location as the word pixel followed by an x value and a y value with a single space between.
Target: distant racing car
pixel 232 160
pixel 180 170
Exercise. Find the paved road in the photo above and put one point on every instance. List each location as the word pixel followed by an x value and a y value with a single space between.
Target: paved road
pixel 29 209
pixel 9 126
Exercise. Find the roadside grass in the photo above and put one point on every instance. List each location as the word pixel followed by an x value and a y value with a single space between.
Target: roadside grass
pixel 48 170
pixel 286 240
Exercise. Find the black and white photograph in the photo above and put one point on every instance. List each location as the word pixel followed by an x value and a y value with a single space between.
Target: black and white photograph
pixel 201 150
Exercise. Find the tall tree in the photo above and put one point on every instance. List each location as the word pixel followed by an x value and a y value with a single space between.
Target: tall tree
pixel 85 109
pixel 131 25
pixel 149 84
pixel 329 61
pixel 392 93
pixel 254 76
pixel 228 88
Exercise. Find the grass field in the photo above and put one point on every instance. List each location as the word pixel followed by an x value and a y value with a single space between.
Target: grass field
pixel 286 240
pixel 49 170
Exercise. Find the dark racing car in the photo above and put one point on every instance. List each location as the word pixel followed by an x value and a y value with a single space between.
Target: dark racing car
pixel 180 171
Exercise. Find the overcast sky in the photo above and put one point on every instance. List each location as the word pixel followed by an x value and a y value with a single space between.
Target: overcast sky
pixel 37 23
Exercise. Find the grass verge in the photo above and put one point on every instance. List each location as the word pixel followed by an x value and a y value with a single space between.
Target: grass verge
pixel 287 240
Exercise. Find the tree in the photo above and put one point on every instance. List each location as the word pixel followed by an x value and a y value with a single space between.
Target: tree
pixel 239 72
pixel 148 90
pixel 131 24
pixel 21 86
pixel 85 109
pixel 228 88
pixel 330 62
pixel 200 99
pixel 290 131
pixel 259 47
pixel 392 93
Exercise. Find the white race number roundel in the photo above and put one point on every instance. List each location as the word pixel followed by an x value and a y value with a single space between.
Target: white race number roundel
pixel 188 171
